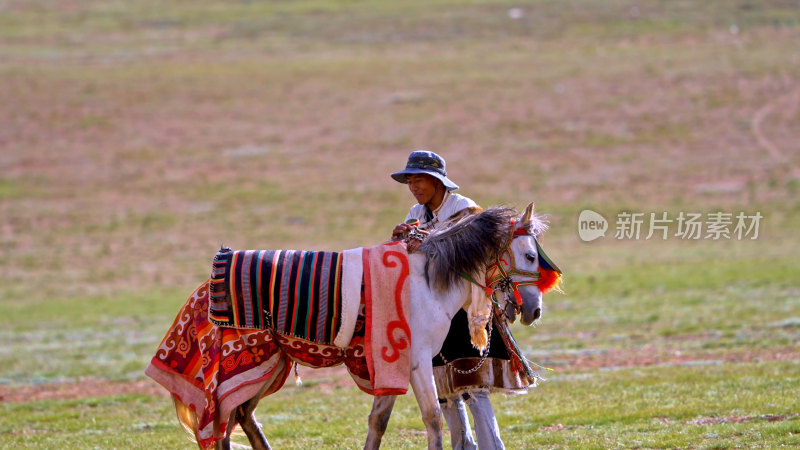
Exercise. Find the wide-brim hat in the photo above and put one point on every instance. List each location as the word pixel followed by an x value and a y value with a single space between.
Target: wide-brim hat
pixel 422 161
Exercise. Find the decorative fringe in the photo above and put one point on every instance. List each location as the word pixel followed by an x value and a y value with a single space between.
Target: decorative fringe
pixel 479 313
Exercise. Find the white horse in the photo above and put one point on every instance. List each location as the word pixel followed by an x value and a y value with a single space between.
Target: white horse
pixel 519 260
pixel 438 288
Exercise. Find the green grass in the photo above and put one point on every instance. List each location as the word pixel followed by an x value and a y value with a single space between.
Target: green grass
pixel 49 341
pixel 643 407
pixel 131 421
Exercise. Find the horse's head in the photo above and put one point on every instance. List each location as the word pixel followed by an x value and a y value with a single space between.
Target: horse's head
pixel 522 269
pixel 501 245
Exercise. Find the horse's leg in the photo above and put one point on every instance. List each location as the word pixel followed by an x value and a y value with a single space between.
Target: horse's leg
pixel 225 443
pixel 485 422
pixel 245 414
pixel 378 420
pixel 425 392
pixel 250 427
pixel 430 321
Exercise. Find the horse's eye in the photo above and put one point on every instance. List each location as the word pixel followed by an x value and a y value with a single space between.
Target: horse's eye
pixel 531 257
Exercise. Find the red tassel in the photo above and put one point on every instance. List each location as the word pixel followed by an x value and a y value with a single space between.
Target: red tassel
pixel 548 279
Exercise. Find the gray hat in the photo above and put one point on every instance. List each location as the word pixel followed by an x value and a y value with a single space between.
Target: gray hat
pixel 422 161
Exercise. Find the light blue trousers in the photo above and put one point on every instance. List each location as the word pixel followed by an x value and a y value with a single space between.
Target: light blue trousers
pixel 486 429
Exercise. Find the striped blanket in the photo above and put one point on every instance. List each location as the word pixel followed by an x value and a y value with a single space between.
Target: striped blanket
pixel 296 293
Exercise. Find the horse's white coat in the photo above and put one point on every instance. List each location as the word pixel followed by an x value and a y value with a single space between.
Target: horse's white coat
pixel 430 315
pixel 520 247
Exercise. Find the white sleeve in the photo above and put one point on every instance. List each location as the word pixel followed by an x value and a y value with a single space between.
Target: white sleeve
pixel 456 203
pixel 462 203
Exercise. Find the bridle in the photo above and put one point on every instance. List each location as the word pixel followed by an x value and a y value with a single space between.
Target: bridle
pixel 498 278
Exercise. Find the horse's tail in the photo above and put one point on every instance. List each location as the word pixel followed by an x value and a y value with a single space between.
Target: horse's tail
pixel 188 419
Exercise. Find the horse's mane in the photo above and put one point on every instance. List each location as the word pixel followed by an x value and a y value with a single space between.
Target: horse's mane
pixel 468 245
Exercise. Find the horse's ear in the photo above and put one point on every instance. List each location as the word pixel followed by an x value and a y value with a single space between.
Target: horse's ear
pixel 526 217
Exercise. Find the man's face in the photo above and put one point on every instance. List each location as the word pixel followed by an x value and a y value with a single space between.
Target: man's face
pixel 422 186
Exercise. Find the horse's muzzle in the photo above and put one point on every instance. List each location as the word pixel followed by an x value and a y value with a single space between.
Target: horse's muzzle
pixel 528 317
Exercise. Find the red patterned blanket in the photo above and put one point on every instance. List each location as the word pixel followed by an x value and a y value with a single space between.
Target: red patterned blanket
pixel 388 337
pixel 214 369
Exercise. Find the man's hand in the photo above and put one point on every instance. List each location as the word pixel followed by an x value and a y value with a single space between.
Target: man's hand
pixel 415 238
pixel 400 231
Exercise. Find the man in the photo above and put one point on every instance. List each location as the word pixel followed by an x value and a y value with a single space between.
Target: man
pixel 427 180
pixel 426 176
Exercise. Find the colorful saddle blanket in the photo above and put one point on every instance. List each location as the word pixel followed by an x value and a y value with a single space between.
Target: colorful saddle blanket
pixel 296 293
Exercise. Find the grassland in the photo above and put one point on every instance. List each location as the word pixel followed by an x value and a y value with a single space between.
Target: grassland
pixel 137 137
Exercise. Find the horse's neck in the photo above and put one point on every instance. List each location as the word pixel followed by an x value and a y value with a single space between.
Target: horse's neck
pixel 454 298
pixel 431 309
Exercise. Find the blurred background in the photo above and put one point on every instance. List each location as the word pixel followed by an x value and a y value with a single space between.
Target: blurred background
pixel 136 137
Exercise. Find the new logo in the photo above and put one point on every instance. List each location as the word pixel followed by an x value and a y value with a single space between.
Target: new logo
pixel 591 225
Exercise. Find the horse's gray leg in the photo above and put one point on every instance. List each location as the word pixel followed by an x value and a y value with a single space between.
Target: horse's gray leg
pixel 455 413
pixel 429 323
pixel 425 392
pixel 378 420
pixel 485 422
